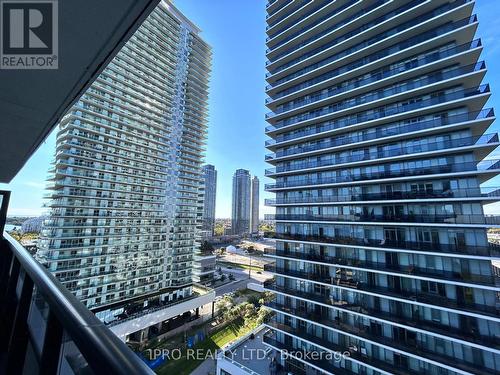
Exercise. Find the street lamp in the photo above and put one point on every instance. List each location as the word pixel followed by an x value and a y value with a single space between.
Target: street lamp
pixel 250 267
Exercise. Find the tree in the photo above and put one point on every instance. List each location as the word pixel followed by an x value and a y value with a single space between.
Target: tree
pixel 254 300
pixel 206 247
pixel 224 305
pixel 263 315
pixel 219 229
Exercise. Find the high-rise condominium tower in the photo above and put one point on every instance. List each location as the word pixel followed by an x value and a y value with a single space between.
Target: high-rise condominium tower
pixel 210 192
pixel 123 221
pixel 378 143
pixel 254 218
pixel 241 211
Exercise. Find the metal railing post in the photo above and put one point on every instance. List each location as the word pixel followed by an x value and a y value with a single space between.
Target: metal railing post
pixel 8 310
pixel 52 343
pixel 19 335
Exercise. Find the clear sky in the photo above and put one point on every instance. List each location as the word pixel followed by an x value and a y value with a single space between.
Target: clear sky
pixel 236 31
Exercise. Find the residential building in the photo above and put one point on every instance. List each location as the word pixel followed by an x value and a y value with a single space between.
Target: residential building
pixel 204 267
pixel 241 211
pixel 204 259
pixel 33 225
pixel 210 192
pixel 379 135
pixel 254 218
pixel 45 328
pixel 124 216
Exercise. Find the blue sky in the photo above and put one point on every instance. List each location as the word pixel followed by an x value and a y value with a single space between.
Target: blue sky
pixel 236 31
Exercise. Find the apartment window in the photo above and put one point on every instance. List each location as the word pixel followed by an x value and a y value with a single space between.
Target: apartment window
pixel 436 315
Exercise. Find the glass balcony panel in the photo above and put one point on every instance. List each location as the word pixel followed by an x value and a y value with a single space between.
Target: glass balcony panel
pixel 491 250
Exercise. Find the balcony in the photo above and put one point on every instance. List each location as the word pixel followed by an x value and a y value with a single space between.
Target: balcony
pixel 482 193
pixel 318 4
pixel 38 312
pixel 317 21
pixel 401 127
pixel 459 334
pixel 376 95
pixel 490 250
pixel 273 22
pixel 331 41
pixel 374 134
pixel 384 171
pixel 381 112
pixel 444 218
pixel 438 31
pixel 424 58
pixel 322 345
pixel 320 364
pixel 395 150
pixel 403 270
pixel 381 73
pixel 270 3
pixel 412 296
pixel 408 346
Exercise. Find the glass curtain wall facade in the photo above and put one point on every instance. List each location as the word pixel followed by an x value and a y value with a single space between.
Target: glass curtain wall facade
pixel 379 134
pixel 254 219
pixel 241 202
pixel 123 191
pixel 210 193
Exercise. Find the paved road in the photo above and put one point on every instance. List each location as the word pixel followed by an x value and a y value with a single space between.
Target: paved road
pixel 227 288
pixel 241 280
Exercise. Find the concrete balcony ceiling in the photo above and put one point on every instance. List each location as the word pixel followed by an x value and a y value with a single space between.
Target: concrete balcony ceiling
pixel 32 102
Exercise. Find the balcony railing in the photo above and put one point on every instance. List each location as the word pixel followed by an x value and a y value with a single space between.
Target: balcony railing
pixel 462 333
pixel 271 2
pixel 385 243
pixel 444 218
pixel 423 59
pixel 359 304
pixel 38 312
pixel 372 134
pixel 389 152
pixel 317 21
pixel 409 294
pixel 370 97
pixel 392 268
pixel 407 345
pixel 369 41
pixel 376 134
pixel 393 89
pixel 479 192
pixel 151 310
pixel 388 110
pixel 317 4
pixel 386 172
pixel 368 25
pixel 317 360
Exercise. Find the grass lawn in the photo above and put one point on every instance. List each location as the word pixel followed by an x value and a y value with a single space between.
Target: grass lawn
pixel 218 339
pixel 240 265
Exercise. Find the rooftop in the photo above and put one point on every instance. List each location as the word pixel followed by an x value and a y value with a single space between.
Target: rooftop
pixel 247 355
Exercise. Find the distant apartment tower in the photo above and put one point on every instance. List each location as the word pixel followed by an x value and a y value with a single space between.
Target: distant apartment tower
pixel 210 192
pixel 123 224
pixel 241 208
pixel 378 146
pixel 254 217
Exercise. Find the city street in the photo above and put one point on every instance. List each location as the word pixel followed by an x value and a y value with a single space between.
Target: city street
pixel 241 280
